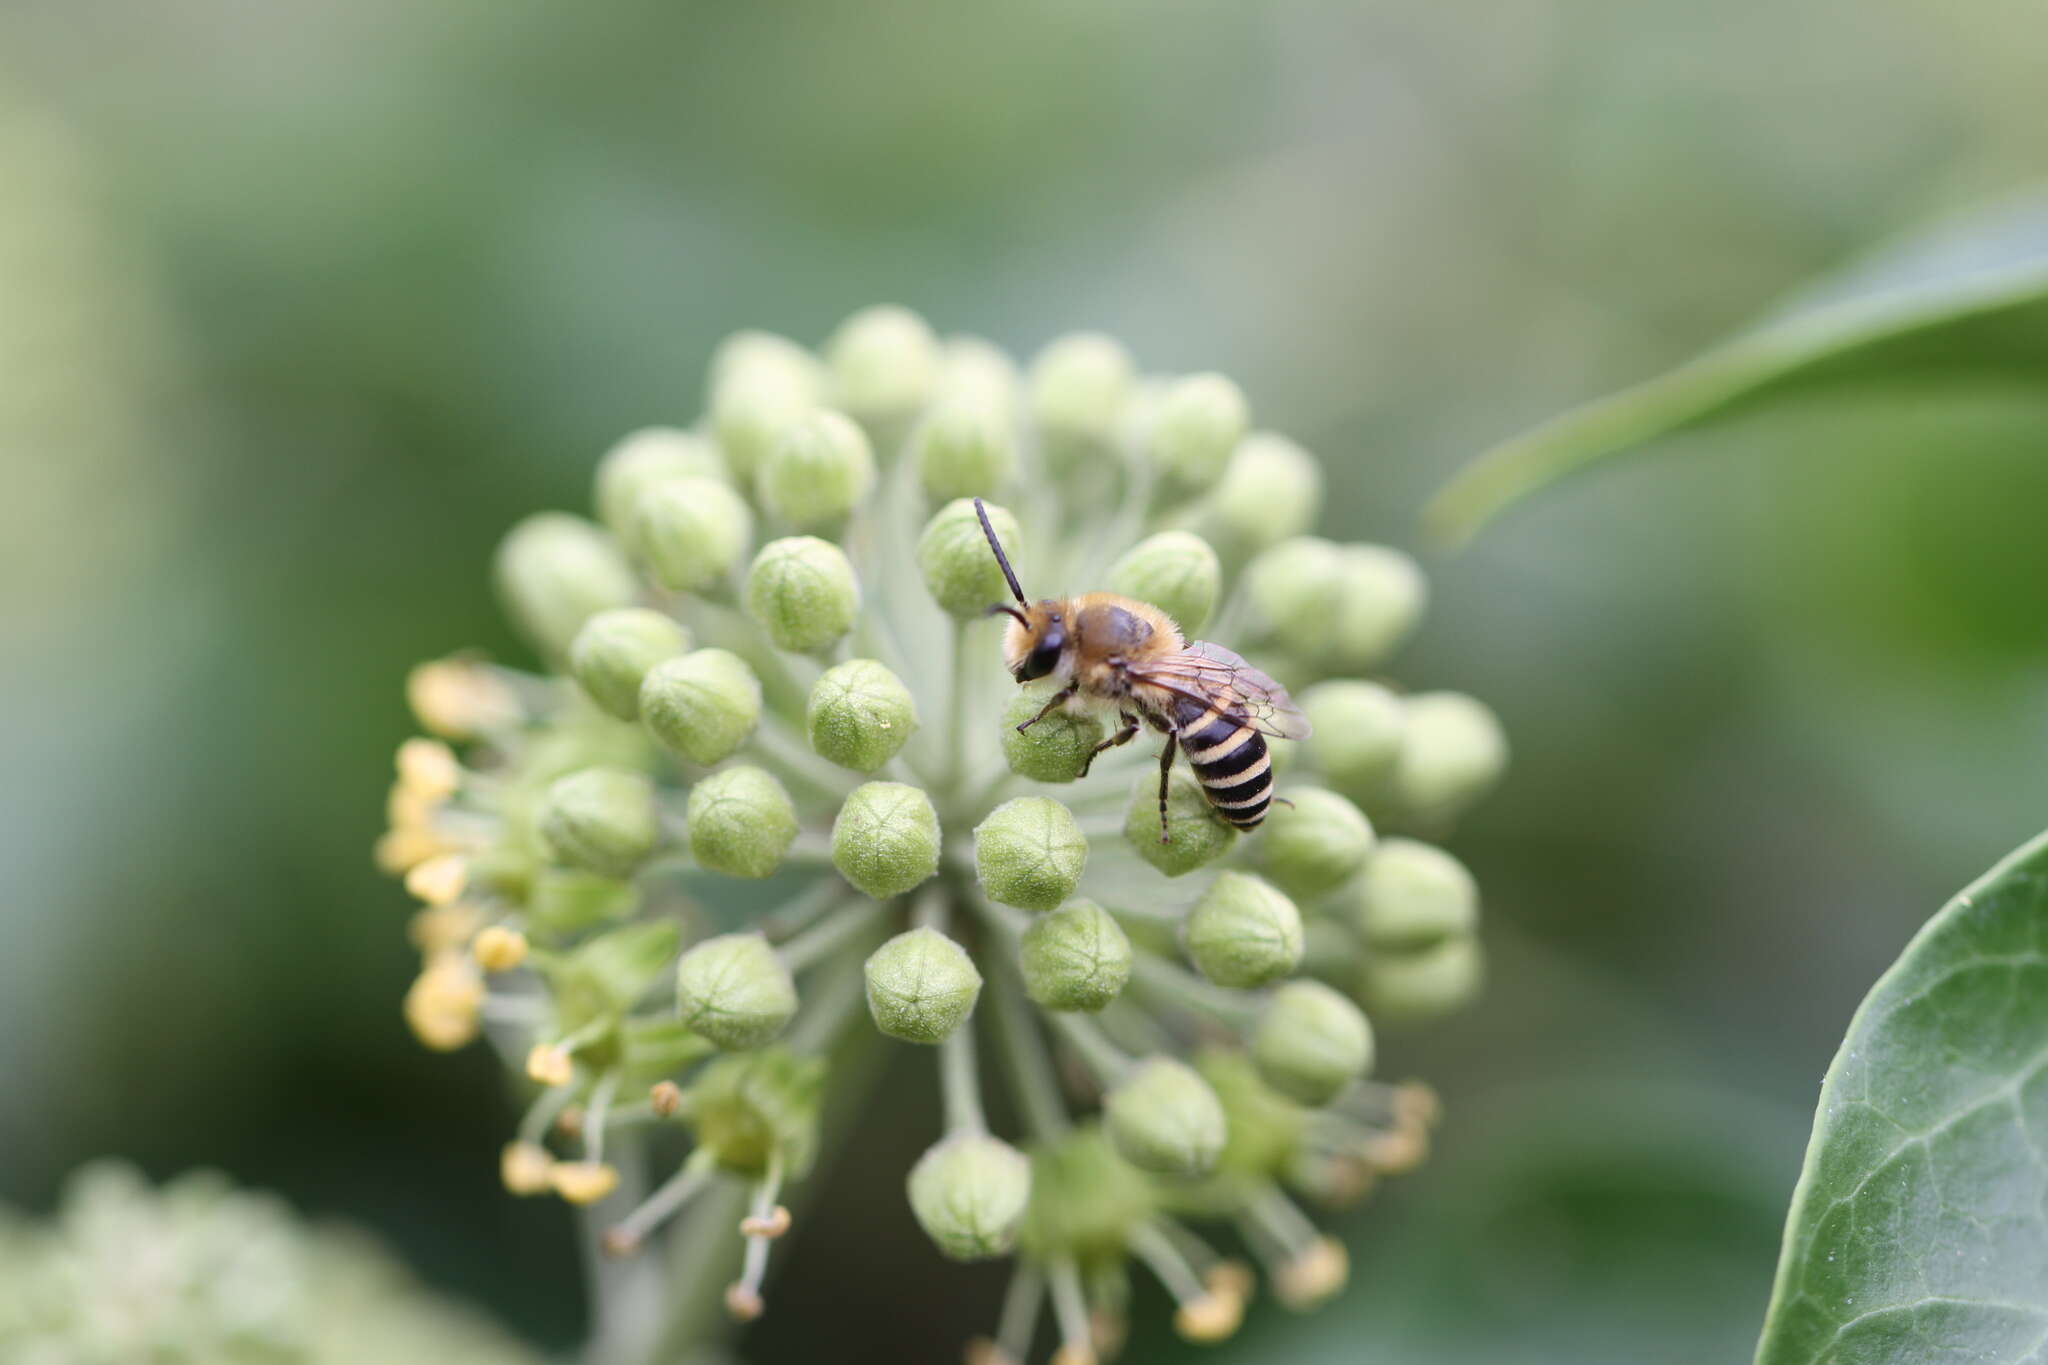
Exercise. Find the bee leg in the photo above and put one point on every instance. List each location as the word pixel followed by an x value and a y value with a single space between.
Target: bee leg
pixel 1122 736
pixel 1059 699
pixel 1165 767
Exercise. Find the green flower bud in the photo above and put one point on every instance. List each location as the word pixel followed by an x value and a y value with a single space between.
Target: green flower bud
pixel 1452 751
pixel 690 532
pixel 818 469
pixel 735 991
pixel 980 374
pixel 1413 897
pixel 1085 1199
pixel 1270 490
pixel 612 653
pixel 1029 853
pixel 1175 571
pixel 1425 984
pixel 1052 750
pixel 1316 844
pixel 555 572
pixel 859 715
pixel 1243 932
pixel 801 590
pixel 1195 834
pixel 886 838
pixel 969 1193
pixel 1357 735
pixel 600 820
pixel 921 985
pixel 1076 958
pixel 703 705
pixel 643 459
pixel 741 822
pixel 753 1110
pixel 884 363
pixel 759 382
pixel 1080 387
pixel 962 449
pixel 563 901
pixel 1195 427
pixel 1311 1042
pixel 602 977
pixel 1164 1118
pixel 1293 588
pixel 960 571
pixel 1380 598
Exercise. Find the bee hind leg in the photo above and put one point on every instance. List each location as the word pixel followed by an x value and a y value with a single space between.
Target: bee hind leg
pixel 1165 768
pixel 1059 699
pixel 1123 736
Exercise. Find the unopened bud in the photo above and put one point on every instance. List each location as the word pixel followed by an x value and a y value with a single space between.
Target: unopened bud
pixel 643 459
pixel 1195 834
pixel 1357 737
pixel 1080 386
pixel 818 469
pixel 921 986
pixel 969 1193
pixel 741 822
pixel 859 714
pixel 1452 752
pixel 884 363
pixel 885 839
pixel 1294 589
pixel 1311 1043
pixel 1243 932
pixel 963 449
pixel 735 991
pixel 1053 749
pixel 960 571
pixel 525 1168
pixel 703 704
pixel 1030 853
pixel 443 1005
pixel 1315 843
pixel 1414 896
pixel 802 591
pixel 556 571
pixel 1270 490
pixel 1076 958
pixel 498 949
pixel 600 820
pixel 1424 984
pixel 1196 425
pixel 1164 1118
pixel 584 1182
pixel 1380 596
pixel 759 382
pixel 690 532
pixel 1175 571
pixel 610 656
pixel 979 373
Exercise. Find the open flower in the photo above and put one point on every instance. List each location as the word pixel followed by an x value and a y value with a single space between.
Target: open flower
pixel 769 679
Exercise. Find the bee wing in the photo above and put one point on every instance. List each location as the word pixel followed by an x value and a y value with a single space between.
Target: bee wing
pixel 1211 672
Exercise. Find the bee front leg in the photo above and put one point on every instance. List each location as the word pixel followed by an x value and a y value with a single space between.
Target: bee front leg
pixel 1059 699
pixel 1122 736
pixel 1165 767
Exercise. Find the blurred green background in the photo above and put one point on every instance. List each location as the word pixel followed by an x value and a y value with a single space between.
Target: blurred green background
pixel 301 305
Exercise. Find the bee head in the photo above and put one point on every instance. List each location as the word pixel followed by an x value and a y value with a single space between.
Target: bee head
pixel 1036 639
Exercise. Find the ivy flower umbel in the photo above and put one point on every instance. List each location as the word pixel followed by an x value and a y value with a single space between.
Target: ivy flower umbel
pixel 769 680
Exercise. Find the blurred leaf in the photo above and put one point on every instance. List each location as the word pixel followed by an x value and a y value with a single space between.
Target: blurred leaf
pixel 1966 301
pixel 1919 1228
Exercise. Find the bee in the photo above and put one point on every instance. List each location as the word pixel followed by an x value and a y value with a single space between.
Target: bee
pixel 1114 653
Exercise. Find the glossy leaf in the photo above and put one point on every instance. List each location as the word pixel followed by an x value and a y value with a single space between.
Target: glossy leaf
pixel 1919 1228
pixel 1968 301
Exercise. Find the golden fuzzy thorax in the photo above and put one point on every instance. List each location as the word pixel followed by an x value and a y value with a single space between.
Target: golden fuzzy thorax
pixel 1103 633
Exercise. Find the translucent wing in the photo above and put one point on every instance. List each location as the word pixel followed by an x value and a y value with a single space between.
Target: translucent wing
pixel 1209 672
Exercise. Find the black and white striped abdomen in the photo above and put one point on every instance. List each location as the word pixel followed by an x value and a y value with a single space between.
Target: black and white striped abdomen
pixel 1231 760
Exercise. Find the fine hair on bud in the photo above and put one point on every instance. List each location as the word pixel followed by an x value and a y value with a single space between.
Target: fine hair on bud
pixel 819 467
pixel 1243 932
pixel 611 654
pixel 1195 834
pixel 961 574
pixel 1315 843
pixel 1413 896
pixel 600 820
pixel 1175 571
pixel 1054 749
pixel 1030 853
pixel 642 459
pixel 741 822
pixel 703 705
pixel 802 592
pixel 885 839
pixel 689 532
pixel 969 1193
pixel 1311 1042
pixel 733 990
pixel 859 715
pixel 1163 1117
pixel 921 986
pixel 1075 958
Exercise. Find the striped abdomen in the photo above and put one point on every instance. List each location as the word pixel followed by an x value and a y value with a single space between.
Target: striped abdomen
pixel 1230 759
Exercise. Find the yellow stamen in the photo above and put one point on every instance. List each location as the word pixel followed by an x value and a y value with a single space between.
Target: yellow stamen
pixel 550 1065
pixel 428 768
pixel 1209 1318
pixel 438 929
pixel 443 1004
pixel 461 698
pixel 498 949
pixel 1313 1276
pixel 526 1168
pixel 404 847
pixel 439 879
pixel 583 1182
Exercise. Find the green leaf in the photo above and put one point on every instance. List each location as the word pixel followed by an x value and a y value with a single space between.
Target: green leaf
pixel 1968 300
pixel 1919 1228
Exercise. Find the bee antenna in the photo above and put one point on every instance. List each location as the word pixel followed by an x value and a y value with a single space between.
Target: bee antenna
pixel 1005 609
pixel 1009 574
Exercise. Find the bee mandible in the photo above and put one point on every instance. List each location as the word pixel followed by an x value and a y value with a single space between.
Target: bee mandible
pixel 1112 653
